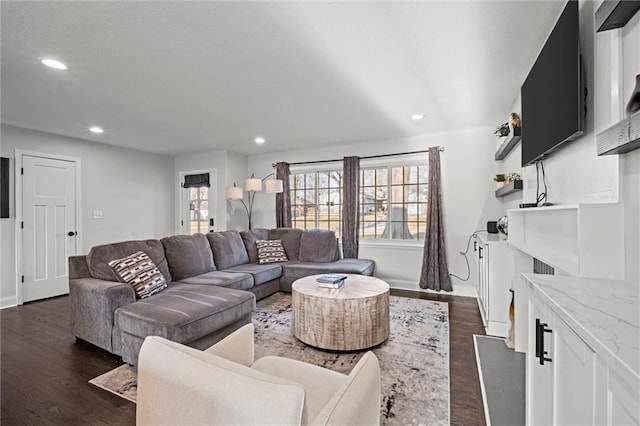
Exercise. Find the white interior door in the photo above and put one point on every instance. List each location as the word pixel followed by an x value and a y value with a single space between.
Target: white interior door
pixel 198 206
pixel 48 226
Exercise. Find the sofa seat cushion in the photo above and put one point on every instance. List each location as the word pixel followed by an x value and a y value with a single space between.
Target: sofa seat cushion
pixel 228 249
pixel 261 273
pixel 99 257
pixel 235 280
pixel 320 384
pixel 188 255
pixel 184 312
pixel 296 270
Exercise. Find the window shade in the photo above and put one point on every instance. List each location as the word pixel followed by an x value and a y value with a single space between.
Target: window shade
pixel 196 181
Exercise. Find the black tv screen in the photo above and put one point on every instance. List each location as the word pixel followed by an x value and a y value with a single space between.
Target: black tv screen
pixel 553 92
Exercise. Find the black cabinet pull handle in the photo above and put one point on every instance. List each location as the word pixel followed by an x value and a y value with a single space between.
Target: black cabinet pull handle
pixel 475 246
pixel 541 328
pixel 480 252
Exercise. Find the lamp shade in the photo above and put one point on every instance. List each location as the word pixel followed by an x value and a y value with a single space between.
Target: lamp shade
pixel 273 186
pixel 253 184
pixel 234 193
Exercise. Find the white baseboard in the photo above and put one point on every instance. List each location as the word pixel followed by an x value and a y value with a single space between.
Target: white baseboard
pixel 8 302
pixel 459 290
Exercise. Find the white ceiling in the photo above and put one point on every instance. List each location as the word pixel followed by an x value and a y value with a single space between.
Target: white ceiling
pixel 185 77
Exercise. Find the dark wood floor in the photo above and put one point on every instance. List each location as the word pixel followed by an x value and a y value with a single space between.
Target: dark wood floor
pixel 45 373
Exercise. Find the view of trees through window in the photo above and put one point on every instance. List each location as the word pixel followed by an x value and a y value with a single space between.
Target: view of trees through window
pixel 198 210
pixel 393 201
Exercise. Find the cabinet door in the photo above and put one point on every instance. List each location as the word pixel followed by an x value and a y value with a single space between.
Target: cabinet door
pixel 574 381
pixel 539 377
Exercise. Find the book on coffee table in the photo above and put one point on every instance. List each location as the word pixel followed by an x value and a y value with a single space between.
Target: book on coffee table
pixel 331 278
pixel 338 284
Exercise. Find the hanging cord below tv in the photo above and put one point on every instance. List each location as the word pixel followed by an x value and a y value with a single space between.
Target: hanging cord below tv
pixel 464 254
pixel 541 197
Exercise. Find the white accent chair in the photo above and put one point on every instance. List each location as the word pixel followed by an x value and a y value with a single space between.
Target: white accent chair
pixel 178 384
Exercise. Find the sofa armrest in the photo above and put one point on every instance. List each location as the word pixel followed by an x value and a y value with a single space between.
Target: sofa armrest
pixel 357 402
pixel 93 303
pixel 237 347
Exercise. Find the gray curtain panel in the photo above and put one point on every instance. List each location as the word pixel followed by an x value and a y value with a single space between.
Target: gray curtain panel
pixel 283 200
pixel 350 206
pixel 435 274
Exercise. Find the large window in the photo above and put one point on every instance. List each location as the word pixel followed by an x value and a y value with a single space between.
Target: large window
pixel 393 201
pixel 316 200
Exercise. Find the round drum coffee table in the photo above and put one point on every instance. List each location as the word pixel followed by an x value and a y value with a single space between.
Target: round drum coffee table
pixel 353 317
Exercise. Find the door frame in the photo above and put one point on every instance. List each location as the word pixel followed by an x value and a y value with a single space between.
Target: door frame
pixel 19 154
pixel 213 189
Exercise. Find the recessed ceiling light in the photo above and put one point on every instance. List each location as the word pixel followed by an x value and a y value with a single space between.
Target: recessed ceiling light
pixel 97 130
pixel 53 63
pixel 260 140
pixel 416 117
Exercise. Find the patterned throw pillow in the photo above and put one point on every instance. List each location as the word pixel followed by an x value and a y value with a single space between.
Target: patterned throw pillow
pixel 139 271
pixel 270 251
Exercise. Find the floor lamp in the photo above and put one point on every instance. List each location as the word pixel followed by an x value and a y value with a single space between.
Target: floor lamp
pixel 253 185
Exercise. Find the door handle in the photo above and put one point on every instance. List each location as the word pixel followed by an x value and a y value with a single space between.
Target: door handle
pixel 71 233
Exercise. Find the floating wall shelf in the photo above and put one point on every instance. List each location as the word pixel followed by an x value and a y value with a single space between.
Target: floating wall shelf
pixel 512 187
pixel 620 138
pixel 614 14
pixel 509 143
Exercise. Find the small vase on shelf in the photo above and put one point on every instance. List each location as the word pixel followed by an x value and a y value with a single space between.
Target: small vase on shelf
pixel 634 102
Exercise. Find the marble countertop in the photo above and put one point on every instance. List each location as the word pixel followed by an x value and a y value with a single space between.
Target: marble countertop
pixel 604 313
pixel 487 238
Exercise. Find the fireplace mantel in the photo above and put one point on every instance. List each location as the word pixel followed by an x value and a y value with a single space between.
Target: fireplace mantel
pixel 582 240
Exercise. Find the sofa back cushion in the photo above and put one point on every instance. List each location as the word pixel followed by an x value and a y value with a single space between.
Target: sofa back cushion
pixel 290 240
pixel 249 239
pixel 188 255
pixel 99 257
pixel 318 245
pixel 228 249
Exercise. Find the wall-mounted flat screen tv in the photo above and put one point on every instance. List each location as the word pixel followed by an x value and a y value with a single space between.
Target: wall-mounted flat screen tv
pixel 553 94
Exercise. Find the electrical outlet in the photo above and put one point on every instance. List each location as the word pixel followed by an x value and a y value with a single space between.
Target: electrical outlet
pixel 97 214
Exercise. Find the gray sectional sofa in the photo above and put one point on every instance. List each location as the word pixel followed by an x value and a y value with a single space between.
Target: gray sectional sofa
pixel 214 281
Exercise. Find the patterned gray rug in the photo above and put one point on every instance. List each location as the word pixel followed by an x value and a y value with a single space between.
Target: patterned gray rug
pixel 414 361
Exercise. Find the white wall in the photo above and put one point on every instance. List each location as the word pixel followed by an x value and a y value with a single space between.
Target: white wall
pixel 132 188
pixel 468 198
pixel 236 215
pixel 575 173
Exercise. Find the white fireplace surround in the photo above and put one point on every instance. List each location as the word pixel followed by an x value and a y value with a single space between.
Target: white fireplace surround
pixel 579 240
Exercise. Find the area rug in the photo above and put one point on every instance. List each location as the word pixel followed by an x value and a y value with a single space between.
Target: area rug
pixel 414 361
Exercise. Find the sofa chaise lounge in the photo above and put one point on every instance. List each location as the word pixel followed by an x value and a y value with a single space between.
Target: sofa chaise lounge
pixel 213 283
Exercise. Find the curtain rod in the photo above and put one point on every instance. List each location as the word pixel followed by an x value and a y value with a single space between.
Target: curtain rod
pixel 362 158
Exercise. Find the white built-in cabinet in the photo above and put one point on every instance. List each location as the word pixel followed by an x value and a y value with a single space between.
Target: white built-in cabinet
pixel 559 370
pixel 570 380
pixel 493 283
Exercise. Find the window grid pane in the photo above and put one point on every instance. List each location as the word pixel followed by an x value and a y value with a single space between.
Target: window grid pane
pixel 393 201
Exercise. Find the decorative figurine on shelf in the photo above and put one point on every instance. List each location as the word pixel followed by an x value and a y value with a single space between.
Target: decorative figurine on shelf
pixel 503 225
pixel 514 120
pixel 511 177
pixel 634 102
